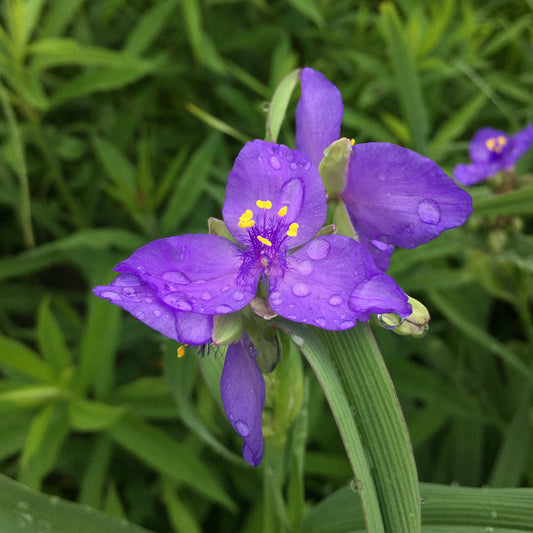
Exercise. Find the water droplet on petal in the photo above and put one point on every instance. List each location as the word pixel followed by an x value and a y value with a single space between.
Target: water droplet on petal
pixel 307 165
pixel 300 289
pixel 178 301
pixel 140 315
pixel 176 277
pixel 242 428
pixel 320 321
pixel 305 267
pixel 148 300
pixel 274 162
pixel 206 296
pixel 293 166
pixel 111 295
pixel 336 299
pixel 429 211
pixel 141 269
pixel 222 309
pixel 347 324
pixel 318 249
pixel 292 195
pixel 125 280
pixel 238 296
pixel 157 312
pixel 225 288
pixel 275 294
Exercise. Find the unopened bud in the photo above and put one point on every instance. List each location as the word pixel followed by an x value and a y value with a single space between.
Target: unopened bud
pixel 334 165
pixel 415 325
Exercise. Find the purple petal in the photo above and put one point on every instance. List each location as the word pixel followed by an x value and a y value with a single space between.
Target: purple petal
pixel 272 172
pixel 317 286
pixel 193 273
pixel 381 252
pixel 475 172
pixel 478 150
pixel 399 197
pixel 242 388
pixel 141 300
pixel 318 115
pixel 520 144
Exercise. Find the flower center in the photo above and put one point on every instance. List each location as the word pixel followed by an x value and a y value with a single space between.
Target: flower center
pixel 268 232
pixel 496 144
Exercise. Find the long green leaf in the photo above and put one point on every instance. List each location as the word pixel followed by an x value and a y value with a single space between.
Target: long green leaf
pixel 167 456
pixel 517 202
pixel 320 359
pixel 25 510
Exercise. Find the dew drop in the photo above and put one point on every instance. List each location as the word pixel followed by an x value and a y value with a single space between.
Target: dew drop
pixel 293 166
pixel 429 211
pixel 206 296
pixel 291 317
pixel 148 300
pixel 336 299
pixel 238 296
pixel 347 324
pixel 157 312
pixel 110 295
pixel 129 291
pixel 305 268
pixel 265 106
pixel 140 315
pixel 292 195
pixel 298 340
pixel 300 289
pixel 274 162
pixel 141 269
pixel 222 309
pixel 242 428
pixel 494 514
pixel 318 249
pixel 178 301
pixel 125 280
pixel 176 277
pixel 307 165
pixel 275 294
pixel 320 321
pixel 225 288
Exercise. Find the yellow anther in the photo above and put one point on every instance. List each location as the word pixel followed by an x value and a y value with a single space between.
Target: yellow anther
pixel 181 350
pixel 293 229
pixel 283 211
pixel 247 215
pixel 263 240
pixel 264 204
pixel 496 144
pixel 352 142
pixel 246 223
pixel 245 220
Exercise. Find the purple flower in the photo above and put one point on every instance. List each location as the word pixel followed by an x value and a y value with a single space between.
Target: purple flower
pixel 492 151
pixel 394 196
pixel 275 205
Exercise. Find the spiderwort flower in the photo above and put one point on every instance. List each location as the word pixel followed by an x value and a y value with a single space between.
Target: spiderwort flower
pixel 394 196
pixel 492 151
pixel 275 204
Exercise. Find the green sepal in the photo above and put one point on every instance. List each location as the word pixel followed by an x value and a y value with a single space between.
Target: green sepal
pixel 334 165
pixel 342 221
pixel 227 328
pixel 217 227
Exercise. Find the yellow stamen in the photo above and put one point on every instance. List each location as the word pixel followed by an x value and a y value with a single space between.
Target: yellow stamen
pixel 181 350
pixel 496 144
pixel 245 220
pixel 246 223
pixel 264 204
pixel 283 211
pixel 293 229
pixel 263 240
pixel 352 142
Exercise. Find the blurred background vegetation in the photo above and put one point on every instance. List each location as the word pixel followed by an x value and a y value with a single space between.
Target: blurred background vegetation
pixel 120 122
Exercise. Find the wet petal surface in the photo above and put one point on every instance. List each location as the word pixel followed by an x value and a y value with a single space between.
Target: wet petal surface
pixel 318 114
pixel 193 273
pixel 399 197
pixel 142 301
pixel 318 284
pixel 242 388
pixel 271 184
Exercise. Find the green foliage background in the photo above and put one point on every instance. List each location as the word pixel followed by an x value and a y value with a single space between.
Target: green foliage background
pixel 120 122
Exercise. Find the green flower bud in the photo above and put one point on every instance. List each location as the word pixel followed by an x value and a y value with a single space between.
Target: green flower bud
pixel 334 165
pixel 416 324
